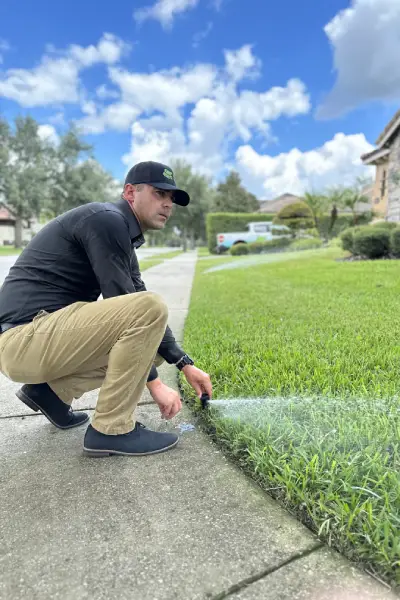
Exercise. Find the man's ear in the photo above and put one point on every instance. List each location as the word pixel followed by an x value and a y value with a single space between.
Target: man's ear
pixel 129 192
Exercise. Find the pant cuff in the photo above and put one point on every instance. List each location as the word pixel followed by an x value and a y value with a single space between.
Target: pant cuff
pixel 112 429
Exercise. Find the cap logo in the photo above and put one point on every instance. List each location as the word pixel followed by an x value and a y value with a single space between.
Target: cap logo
pixel 168 174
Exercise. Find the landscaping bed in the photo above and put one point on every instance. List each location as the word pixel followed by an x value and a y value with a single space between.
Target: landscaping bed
pixel 316 340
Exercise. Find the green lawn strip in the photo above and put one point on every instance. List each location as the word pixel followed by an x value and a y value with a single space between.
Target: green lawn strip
pixel 318 341
pixel 157 259
pixel 9 251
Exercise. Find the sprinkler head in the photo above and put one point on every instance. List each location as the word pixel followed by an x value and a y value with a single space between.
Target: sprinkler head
pixel 205 398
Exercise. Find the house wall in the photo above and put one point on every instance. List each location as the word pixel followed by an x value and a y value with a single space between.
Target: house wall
pixel 379 196
pixel 7 234
pixel 393 213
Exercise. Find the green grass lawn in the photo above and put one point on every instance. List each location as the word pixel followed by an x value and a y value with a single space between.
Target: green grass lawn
pixel 9 251
pixel 318 341
pixel 147 263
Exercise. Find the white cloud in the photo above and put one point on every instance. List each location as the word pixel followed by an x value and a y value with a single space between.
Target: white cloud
pixel 200 36
pixel 242 63
pixel 216 121
pixel 336 162
pixel 164 91
pixel 118 116
pixel 56 79
pixel 164 11
pixel 366 45
pixel 4 47
pixel 48 134
pixel 105 92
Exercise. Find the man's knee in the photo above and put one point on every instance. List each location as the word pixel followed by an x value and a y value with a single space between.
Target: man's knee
pixel 153 303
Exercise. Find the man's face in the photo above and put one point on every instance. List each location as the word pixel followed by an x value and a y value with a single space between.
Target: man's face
pixel 152 206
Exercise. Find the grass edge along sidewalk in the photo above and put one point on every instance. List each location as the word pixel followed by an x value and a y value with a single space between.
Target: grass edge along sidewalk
pixel 316 337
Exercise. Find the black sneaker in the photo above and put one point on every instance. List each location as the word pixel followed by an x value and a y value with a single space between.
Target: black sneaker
pixel 41 397
pixel 139 442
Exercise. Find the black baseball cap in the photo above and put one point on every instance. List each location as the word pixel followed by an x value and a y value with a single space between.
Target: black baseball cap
pixel 159 176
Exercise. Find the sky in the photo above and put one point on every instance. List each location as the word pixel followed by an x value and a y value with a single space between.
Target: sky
pixel 290 94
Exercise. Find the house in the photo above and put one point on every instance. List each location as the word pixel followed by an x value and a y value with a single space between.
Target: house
pixel 274 206
pixel 386 159
pixel 7 227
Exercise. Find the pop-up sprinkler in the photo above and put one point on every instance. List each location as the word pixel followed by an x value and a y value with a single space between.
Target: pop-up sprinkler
pixel 205 398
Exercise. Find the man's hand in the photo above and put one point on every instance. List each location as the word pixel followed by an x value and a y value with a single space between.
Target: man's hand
pixel 168 400
pixel 199 380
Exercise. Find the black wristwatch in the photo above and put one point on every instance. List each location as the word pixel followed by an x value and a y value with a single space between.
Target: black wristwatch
pixel 184 361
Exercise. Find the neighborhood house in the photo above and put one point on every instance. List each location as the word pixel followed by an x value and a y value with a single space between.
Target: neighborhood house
pixel 386 159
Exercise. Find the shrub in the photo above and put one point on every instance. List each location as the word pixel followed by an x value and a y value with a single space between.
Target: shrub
pixel 395 242
pixel 388 225
pixel 239 249
pixel 256 247
pixel 371 242
pixel 295 216
pixel 278 232
pixel 224 222
pixel 306 244
pixel 313 232
pixel 347 239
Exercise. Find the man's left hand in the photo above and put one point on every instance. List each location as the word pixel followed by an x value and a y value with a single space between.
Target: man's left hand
pixel 199 380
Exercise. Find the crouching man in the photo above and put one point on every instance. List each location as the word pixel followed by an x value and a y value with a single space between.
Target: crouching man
pixel 60 342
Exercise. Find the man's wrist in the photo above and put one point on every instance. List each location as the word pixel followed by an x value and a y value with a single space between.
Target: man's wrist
pixel 184 362
pixel 154 384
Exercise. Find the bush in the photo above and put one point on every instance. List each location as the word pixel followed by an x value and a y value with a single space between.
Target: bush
pixel 371 242
pixel 306 244
pixel 313 232
pixel 295 216
pixel 226 222
pixel 347 239
pixel 256 247
pixel 278 232
pixel 239 249
pixel 395 242
pixel 388 225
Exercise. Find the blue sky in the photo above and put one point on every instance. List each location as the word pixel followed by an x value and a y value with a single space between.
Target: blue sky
pixel 288 93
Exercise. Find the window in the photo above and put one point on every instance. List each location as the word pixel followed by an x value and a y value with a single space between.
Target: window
pixel 383 184
pixel 262 228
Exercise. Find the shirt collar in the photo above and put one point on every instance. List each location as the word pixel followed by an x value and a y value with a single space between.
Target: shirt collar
pixel 134 227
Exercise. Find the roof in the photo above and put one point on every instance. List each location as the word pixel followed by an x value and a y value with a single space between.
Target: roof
pixel 390 128
pixel 274 206
pixel 382 151
pixel 5 213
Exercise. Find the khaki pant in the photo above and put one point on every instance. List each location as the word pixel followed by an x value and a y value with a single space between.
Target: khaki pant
pixel 110 344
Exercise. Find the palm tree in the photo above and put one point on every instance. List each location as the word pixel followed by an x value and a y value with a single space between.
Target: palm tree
pixel 354 196
pixel 317 204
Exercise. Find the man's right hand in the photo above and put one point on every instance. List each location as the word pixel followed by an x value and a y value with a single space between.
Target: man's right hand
pixel 168 400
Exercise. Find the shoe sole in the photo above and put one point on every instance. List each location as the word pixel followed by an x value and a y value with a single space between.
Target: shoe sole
pixel 33 406
pixel 103 453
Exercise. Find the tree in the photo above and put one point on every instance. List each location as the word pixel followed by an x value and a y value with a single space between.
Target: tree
pixel 335 198
pixel 231 196
pixel 190 219
pixel 24 162
pixel 296 216
pixel 76 177
pixel 317 204
pixel 354 196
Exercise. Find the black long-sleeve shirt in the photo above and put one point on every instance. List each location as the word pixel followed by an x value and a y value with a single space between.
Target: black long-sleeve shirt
pixel 84 253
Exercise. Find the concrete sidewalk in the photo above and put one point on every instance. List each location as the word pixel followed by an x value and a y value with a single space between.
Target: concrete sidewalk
pixel 182 525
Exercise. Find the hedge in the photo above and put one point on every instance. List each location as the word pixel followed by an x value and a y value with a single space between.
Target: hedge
pixel 226 222
pixel 395 242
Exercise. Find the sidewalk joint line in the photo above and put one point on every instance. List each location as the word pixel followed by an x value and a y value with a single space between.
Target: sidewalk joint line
pixel 254 578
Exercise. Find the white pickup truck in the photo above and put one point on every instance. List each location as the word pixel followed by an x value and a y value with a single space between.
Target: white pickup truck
pixel 259 231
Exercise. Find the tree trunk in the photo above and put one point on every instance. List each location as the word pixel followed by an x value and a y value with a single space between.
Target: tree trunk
pixel 184 240
pixel 192 241
pixel 18 232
